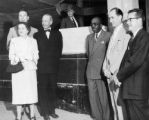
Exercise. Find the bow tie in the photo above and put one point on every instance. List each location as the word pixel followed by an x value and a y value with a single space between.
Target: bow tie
pixel 47 30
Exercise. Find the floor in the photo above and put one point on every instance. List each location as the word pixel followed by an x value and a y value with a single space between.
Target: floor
pixel 7 112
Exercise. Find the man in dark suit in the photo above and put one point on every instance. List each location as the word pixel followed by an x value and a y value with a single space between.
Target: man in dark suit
pixel 134 70
pixel 50 50
pixel 70 21
pixel 96 48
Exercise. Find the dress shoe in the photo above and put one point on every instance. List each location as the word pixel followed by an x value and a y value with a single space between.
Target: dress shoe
pixel 54 115
pixel 46 117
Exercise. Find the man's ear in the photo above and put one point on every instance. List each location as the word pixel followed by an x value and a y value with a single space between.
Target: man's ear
pixel 121 18
pixel 51 22
pixel 28 18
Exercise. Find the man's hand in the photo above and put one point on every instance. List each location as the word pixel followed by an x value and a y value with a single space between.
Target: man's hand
pixel 107 74
pixel 113 86
pixel 115 78
pixel 114 83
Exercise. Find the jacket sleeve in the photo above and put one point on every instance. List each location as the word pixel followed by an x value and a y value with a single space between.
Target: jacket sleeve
pixel 12 53
pixel 35 51
pixel 134 62
pixel 9 36
pixel 60 43
pixel 87 46
pixel 105 67
pixel 63 24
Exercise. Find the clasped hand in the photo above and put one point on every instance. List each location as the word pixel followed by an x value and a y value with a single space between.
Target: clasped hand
pixel 114 82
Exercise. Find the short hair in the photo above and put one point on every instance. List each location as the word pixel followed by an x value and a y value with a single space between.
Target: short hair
pixel 24 10
pixel 26 25
pixel 117 11
pixel 138 12
pixel 70 9
pixel 96 17
pixel 47 14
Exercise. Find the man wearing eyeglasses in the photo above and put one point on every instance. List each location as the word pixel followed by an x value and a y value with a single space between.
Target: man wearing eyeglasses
pixel 96 48
pixel 115 52
pixel 134 72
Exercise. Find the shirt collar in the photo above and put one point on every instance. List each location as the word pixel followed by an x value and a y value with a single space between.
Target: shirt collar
pixel 98 33
pixel 47 29
pixel 118 27
pixel 135 33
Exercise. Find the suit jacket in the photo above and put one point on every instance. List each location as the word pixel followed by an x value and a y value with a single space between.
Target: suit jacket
pixel 116 49
pixel 13 33
pixel 67 23
pixel 134 71
pixel 50 51
pixel 96 53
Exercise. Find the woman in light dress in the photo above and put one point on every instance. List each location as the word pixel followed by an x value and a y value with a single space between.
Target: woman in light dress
pixel 24 83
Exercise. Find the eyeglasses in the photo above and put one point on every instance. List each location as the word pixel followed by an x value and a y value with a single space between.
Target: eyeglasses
pixel 130 19
pixel 95 24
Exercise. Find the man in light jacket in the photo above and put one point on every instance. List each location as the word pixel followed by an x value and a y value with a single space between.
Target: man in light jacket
pixel 115 52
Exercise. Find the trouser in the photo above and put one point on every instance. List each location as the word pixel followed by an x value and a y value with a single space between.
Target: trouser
pixel 137 109
pixel 118 109
pixel 98 99
pixel 47 93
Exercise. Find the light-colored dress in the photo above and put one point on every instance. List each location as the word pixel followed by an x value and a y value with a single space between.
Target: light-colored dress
pixel 24 83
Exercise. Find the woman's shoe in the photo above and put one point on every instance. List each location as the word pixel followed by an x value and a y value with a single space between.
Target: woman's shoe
pixel 32 118
pixel 18 118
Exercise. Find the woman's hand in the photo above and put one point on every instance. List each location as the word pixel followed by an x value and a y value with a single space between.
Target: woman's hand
pixel 13 62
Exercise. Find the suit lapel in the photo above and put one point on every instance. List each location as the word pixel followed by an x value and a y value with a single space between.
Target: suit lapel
pixel 138 34
pixel 91 44
pixel 97 43
pixel 132 41
pixel 71 22
pixel 43 34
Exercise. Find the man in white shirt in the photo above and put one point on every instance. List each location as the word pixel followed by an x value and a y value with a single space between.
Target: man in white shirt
pixel 115 52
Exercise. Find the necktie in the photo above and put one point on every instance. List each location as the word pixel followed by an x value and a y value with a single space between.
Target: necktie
pixel 130 43
pixel 96 35
pixel 73 22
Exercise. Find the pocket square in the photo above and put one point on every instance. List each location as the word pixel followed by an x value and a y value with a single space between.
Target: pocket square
pixel 102 42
